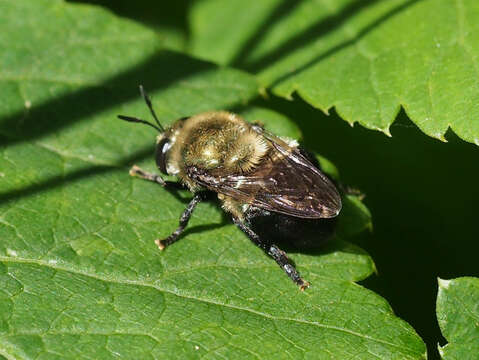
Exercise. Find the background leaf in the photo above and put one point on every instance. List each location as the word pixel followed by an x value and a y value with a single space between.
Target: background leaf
pixel 79 273
pixel 458 316
pixel 168 19
pixel 365 58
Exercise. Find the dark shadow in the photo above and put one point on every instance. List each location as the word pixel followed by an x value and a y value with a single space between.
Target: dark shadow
pixel 59 180
pixel 174 188
pixel 276 15
pixel 327 246
pixel 307 36
pixel 154 73
pixel 153 13
pixel 179 191
pixel 330 246
pixel 319 30
pixel 420 192
pixel 225 219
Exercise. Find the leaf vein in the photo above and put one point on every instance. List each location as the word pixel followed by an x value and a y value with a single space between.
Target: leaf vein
pixel 212 302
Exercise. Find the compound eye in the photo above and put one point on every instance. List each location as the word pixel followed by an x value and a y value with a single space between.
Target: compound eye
pixel 161 150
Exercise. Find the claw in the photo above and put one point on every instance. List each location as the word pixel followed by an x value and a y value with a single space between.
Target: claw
pixel 160 244
pixel 304 286
pixel 135 170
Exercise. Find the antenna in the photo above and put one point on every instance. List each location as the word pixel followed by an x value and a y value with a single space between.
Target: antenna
pixel 136 120
pixel 148 103
pixel 133 119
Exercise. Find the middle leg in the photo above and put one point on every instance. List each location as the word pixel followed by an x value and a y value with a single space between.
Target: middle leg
pixel 276 253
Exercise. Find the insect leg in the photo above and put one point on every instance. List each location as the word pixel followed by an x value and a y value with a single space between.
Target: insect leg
pixel 185 217
pixel 276 253
pixel 136 171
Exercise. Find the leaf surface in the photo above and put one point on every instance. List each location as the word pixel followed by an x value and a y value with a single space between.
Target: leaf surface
pixel 365 58
pixel 458 315
pixel 80 275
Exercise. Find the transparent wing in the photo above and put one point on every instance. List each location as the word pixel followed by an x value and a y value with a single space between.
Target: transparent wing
pixel 285 182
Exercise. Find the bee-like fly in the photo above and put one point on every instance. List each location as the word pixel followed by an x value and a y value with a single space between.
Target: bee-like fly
pixel 271 187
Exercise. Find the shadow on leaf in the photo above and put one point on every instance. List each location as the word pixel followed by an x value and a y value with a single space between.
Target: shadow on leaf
pixel 319 29
pixel 168 14
pixel 155 73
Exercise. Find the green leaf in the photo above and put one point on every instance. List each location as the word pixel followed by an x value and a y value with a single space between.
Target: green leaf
pixel 458 315
pixel 365 58
pixel 80 275
pixel 167 18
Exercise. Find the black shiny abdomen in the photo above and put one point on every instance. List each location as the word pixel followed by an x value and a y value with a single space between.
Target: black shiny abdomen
pixel 293 231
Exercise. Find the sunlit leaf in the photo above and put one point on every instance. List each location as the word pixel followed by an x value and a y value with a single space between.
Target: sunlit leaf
pixel 364 58
pixel 80 275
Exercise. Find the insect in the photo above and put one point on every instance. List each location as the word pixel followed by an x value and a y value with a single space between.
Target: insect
pixel 269 185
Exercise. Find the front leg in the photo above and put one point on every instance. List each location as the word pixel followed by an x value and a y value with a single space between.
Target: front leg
pixel 276 253
pixel 136 171
pixel 185 217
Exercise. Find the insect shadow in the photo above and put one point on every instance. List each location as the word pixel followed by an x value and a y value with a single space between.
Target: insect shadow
pixel 225 220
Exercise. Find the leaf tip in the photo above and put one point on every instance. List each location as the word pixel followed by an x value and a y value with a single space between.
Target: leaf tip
pixel 439 136
pixel 325 110
pixel 440 349
pixel 387 131
pixel 443 284
pixel 369 226
pixel 374 267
